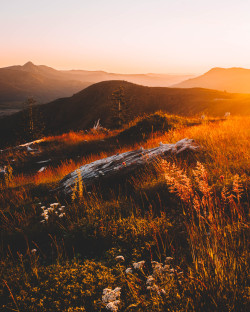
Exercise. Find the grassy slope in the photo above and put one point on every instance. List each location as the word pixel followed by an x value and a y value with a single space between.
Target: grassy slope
pixel 143 220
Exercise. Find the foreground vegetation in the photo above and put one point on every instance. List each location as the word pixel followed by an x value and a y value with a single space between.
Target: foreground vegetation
pixel 173 237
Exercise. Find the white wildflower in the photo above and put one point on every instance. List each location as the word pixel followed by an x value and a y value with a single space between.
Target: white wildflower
pixel 166 267
pixel 162 292
pixel 157 267
pixel 153 288
pixel 33 251
pixel 110 295
pixel 54 204
pixel 128 270
pixel 138 265
pixel 113 306
pixel 119 258
pixel 61 215
pixel 150 280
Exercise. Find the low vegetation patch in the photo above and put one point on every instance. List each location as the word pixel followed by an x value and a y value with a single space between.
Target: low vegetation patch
pixel 172 237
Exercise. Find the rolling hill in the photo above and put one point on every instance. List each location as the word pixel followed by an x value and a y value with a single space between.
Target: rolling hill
pixel 83 109
pixel 17 83
pixel 225 79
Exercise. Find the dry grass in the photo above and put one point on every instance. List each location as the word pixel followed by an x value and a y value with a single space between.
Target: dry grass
pixel 198 215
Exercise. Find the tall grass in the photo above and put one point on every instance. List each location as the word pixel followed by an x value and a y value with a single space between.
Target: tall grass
pixel 217 227
pixel 197 215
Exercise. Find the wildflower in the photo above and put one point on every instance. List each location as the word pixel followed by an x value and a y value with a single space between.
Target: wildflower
pixel 138 265
pixel 162 292
pixel 110 295
pixel 166 267
pixel 54 205
pixel 227 114
pixel 124 164
pixel 150 280
pixel 33 251
pixel 128 270
pixel 169 259
pixel 153 288
pixel 120 258
pixel 61 215
pixel 157 267
pixel 113 306
pixel 42 221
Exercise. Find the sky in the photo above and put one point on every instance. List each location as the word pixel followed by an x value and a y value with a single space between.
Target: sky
pixel 129 36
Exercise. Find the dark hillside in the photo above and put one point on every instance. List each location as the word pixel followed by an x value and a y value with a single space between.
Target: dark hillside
pixel 83 109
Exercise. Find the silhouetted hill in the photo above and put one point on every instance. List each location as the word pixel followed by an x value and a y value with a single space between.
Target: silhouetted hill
pixel 45 84
pixel 83 109
pixel 225 79
pixel 17 83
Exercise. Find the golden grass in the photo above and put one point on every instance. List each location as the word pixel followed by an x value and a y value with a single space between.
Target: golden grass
pixel 214 219
pixel 73 137
pixel 226 145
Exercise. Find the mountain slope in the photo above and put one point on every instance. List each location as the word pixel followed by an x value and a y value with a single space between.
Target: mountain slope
pixel 225 79
pixel 84 108
pixel 45 84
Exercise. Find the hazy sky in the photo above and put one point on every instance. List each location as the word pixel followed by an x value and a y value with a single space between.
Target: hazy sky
pixel 130 36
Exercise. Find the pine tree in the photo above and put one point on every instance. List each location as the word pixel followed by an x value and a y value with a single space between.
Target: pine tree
pixel 120 112
pixel 33 123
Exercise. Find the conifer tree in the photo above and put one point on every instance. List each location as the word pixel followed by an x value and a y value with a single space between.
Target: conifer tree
pixel 33 122
pixel 120 112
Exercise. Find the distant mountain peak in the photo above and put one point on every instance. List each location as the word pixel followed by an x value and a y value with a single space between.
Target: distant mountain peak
pixel 29 64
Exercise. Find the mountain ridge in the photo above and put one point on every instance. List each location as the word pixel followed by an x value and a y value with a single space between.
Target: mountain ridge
pixel 83 109
pixel 234 79
pixel 44 83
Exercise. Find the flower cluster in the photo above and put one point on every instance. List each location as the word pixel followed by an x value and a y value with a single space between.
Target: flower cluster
pixel 138 265
pixel 55 210
pixel 159 274
pixel 111 298
pixel 120 258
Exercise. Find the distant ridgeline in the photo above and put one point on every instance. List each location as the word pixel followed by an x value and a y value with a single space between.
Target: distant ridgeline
pixel 45 84
pixel 97 101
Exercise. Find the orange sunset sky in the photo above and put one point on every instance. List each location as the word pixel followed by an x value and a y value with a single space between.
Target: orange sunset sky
pixel 139 36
